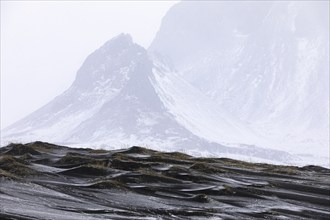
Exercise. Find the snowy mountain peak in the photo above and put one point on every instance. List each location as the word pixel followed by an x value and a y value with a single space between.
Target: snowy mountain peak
pixel 118 70
pixel 123 38
pixel 110 64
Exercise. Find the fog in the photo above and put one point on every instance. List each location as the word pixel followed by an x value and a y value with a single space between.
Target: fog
pixel 44 43
pixel 245 80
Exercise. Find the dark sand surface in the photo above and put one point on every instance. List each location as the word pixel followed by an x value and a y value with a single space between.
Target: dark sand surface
pixel 45 181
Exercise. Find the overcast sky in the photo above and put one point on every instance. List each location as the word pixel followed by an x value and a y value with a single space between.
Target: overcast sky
pixel 44 43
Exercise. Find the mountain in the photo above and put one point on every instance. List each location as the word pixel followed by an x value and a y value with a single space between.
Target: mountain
pixel 112 96
pixel 118 98
pixel 252 87
pixel 266 63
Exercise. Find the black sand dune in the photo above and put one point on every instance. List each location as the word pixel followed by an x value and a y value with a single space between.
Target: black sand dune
pixel 45 181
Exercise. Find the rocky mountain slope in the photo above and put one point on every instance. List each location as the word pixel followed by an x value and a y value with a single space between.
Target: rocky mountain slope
pixel 267 63
pixel 112 96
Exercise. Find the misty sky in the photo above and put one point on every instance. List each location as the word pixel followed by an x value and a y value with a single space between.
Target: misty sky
pixel 44 43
